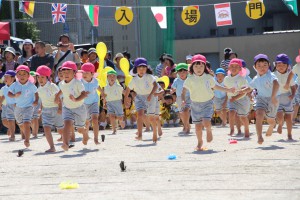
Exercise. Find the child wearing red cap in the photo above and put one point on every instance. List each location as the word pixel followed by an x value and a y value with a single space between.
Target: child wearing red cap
pixel 239 103
pixel 8 105
pixel 200 85
pixel 266 85
pixel 51 111
pixel 112 96
pixel 286 97
pixel 91 86
pixel 73 110
pixel 26 97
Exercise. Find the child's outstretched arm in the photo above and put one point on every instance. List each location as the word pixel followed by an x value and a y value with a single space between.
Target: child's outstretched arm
pixel 183 93
pixel 224 89
pixel 11 95
pixel 293 90
pixel 36 101
pixel 153 91
pixel 288 81
pixel 126 93
pixel 57 99
pixel 82 96
pixel 1 101
pixel 274 92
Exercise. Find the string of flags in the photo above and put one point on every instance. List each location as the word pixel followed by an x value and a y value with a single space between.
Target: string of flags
pixel 255 9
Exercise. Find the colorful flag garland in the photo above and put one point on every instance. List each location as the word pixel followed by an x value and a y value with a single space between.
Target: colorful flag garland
pixel 93 13
pixel 27 7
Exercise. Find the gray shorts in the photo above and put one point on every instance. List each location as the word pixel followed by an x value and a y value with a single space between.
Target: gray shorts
pixel 23 115
pixel 51 118
pixel 201 111
pixel 3 113
pixel 218 102
pixel 241 106
pixel 36 110
pixel 297 96
pixel 265 103
pixel 179 103
pixel 77 115
pixel 141 103
pixel 285 104
pixel 10 112
pixel 91 109
pixel 157 106
pixel 115 107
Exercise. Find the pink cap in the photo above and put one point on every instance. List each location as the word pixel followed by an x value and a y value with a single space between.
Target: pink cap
pixel 69 65
pixel 199 58
pixel 23 68
pixel 43 70
pixel 88 67
pixel 298 57
pixel 236 61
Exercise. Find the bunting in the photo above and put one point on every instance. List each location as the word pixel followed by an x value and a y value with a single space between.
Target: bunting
pixel 292 5
pixel 27 7
pixel 59 12
pixel 160 14
pixel 93 13
pixel 223 14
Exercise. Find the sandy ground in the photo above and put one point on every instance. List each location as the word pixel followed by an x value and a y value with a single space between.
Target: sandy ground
pixel 244 170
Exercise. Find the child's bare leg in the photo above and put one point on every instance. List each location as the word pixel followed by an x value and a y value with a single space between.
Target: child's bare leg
pixel 231 121
pixel 296 109
pixel 95 128
pixel 26 128
pixel 35 127
pixel 207 124
pixel 60 132
pixel 289 124
pixel 140 120
pixel 49 138
pixel 112 119
pixel 85 134
pixel 5 123
pixel 72 133
pixel 68 127
pixel 259 122
pixel 158 124
pixel 272 124
pixel 121 121
pixel 280 119
pixel 12 128
pixel 154 127
pixel 224 117
pixel 185 120
pixel 238 124
pixel 245 121
pixel 146 122
pixel 199 136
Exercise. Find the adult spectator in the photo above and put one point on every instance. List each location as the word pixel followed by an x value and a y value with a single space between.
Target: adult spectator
pixel 160 66
pixel 93 58
pixel 228 55
pixel 41 57
pixel 10 63
pixel 128 56
pixel 27 51
pixel 188 59
pixel 168 65
pixel 120 73
pixel 108 61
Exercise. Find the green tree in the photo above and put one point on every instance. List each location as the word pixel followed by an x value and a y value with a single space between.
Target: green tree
pixel 23 29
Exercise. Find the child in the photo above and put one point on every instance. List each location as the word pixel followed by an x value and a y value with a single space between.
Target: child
pixel 170 111
pixel 36 111
pixel 8 105
pixel 51 112
pixel 296 71
pixel 266 84
pixel 10 63
pixel 200 85
pixel 145 86
pixel 129 112
pixel 220 99
pixel 239 103
pixel 285 109
pixel 112 94
pixel 91 86
pixel 73 111
pixel 177 86
pixel 26 97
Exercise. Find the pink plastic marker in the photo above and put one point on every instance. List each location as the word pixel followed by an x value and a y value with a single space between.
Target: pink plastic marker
pixel 231 141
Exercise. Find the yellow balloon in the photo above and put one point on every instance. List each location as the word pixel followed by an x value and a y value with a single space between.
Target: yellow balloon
pixel 102 78
pixel 166 80
pixel 101 50
pixel 124 64
pixel 128 79
pixel 106 69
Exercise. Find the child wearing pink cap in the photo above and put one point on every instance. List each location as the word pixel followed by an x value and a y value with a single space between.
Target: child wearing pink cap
pixel 296 71
pixel 201 86
pixel 73 110
pixel 91 86
pixel 26 97
pixel 51 111
pixel 239 103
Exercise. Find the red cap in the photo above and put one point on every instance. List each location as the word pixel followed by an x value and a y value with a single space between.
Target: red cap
pixel 69 65
pixel 88 67
pixel 236 61
pixel 23 68
pixel 43 70
pixel 199 58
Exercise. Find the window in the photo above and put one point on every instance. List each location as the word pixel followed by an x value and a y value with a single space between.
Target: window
pixel 250 30
pixel 231 31
pixel 213 32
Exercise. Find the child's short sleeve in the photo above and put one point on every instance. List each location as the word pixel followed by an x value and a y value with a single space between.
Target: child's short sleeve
pixel 253 83
pixel 34 89
pixel 79 87
pixel 174 85
pixel 131 85
pixel 187 84
pixel 212 82
pixel 12 88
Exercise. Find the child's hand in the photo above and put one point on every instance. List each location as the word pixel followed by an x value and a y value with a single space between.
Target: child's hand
pixel 18 94
pixel 35 103
pixel 232 99
pixel 291 97
pixel 72 98
pixel 183 104
pixel 274 100
pixel 85 94
pixel 286 86
pixel 149 97
pixel 59 111
pixel 231 90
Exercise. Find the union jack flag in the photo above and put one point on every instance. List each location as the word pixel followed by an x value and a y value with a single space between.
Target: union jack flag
pixel 59 12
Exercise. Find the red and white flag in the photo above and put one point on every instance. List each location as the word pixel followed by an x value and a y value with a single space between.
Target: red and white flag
pixel 160 14
pixel 223 14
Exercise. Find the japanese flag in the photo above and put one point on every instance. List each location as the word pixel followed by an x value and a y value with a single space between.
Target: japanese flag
pixel 160 14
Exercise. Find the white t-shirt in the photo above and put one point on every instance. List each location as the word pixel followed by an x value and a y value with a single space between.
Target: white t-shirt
pixel 47 94
pixel 282 78
pixel 296 70
pixel 142 85
pixel 75 88
pixel 114 92
pixel 200 87
pixel 238 82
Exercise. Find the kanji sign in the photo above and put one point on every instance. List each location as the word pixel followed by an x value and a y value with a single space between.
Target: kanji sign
pixel 190 15
pixel 124 15
pixel 255 9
